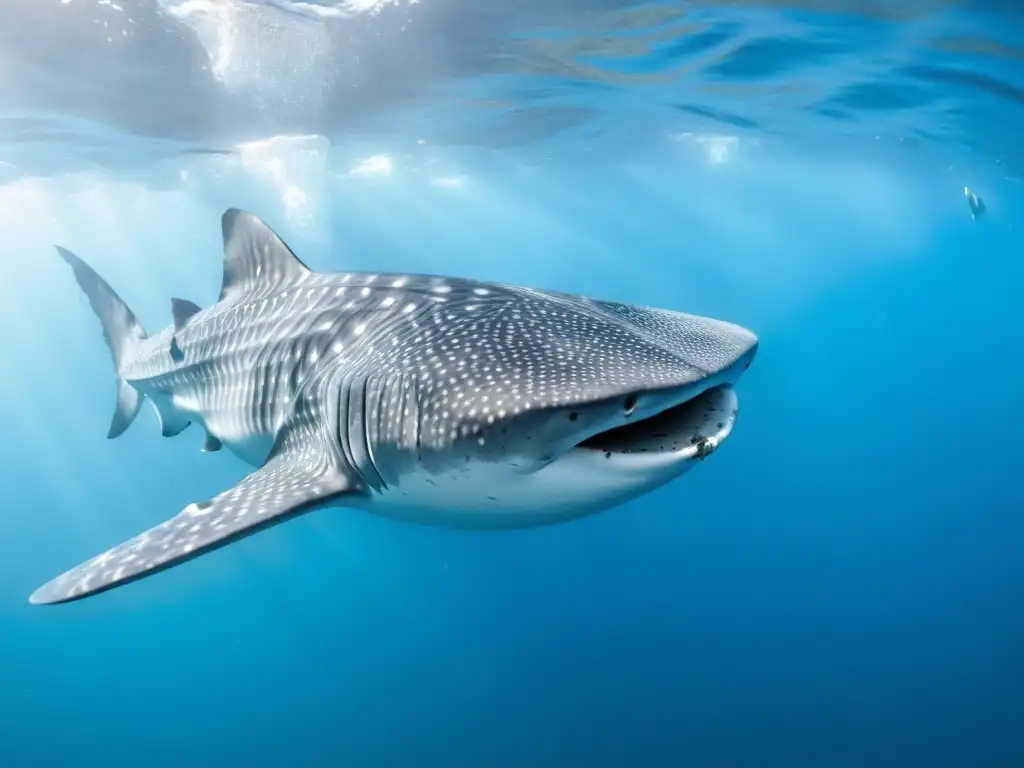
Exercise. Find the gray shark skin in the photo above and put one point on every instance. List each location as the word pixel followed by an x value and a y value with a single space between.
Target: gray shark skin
pixel 436 400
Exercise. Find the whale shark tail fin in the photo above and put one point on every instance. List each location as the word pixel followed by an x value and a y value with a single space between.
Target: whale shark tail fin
pixel 121 330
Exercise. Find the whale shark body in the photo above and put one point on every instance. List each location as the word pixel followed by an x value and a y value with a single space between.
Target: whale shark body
pixel 437 400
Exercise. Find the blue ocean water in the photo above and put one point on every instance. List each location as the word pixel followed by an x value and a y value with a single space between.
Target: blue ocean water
pixel 840 585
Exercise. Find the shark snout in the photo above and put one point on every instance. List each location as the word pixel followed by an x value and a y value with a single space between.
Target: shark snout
pixel 712 353
pixel 749 344
pixel 695 395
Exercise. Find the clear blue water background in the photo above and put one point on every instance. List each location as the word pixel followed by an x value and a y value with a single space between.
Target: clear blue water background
pixel 841 585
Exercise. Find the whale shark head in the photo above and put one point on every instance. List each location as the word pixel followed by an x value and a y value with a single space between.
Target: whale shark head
pixel 509 407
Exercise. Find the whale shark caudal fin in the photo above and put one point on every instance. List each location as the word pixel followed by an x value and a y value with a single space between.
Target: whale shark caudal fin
pixel 121 330
pixel 300 476
pixel 255 256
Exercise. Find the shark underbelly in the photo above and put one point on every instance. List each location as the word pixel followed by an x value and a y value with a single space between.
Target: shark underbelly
pixel 479 496
pixel 248 438
pixel 252 449
pixel 237 423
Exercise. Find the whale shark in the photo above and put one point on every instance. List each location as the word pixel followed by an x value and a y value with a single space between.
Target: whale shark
pixel 435 400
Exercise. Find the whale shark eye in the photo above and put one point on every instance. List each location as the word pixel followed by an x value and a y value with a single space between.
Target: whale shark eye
pixel 573 416
pixel 629 405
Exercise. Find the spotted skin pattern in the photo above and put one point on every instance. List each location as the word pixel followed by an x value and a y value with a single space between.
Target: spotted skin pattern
pixel 359 389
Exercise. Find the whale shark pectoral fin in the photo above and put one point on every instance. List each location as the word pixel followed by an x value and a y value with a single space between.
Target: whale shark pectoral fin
pixel 211 444
pixel 292 482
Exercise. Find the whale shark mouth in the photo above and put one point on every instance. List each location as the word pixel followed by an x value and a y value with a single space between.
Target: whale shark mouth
pixel 691 429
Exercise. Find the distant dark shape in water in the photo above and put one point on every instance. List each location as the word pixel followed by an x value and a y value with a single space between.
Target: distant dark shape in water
pixel 438 400
pixel 977 206
pixel 204 151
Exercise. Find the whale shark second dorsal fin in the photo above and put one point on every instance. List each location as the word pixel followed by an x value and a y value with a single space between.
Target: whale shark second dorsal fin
pixel 254 256
pixel 182 310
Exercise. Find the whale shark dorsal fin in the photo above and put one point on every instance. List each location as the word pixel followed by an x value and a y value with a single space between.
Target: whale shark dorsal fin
pixel 254 256
pixel 300 476
pixel 176 354
pixel 182 311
